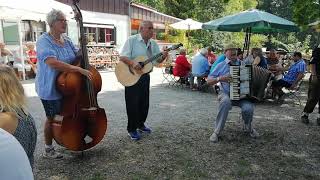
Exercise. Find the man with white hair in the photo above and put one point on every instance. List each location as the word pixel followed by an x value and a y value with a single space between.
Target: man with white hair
pixel 200 67
pixel 221 75
pixel 137 96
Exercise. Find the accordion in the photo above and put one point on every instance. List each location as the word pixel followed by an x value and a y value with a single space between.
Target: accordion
pixel 249 82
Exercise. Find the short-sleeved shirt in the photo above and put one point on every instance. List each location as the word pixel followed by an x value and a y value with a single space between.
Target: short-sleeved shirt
pixel 14 161
pixel 46 75
pixel 200 65
pixel 220 59
pixel 182 66
pixel 135 46
pixel 316 60
pixel 223 69
pixel 294 70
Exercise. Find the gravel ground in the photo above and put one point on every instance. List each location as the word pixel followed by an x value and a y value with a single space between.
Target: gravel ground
pixel 179 147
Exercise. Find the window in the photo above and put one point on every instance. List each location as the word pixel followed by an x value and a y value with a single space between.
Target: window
pixel 10 32
pixel 100 34
pixel 31 30
pixel 90 33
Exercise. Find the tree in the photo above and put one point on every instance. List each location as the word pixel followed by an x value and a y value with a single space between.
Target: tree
pixel 306 11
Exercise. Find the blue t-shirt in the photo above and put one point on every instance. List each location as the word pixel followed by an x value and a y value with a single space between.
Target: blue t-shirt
pixel 46 75
pixel 200 65
pixel 220 59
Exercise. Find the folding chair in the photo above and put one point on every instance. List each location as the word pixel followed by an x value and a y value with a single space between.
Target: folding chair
pixel 294 94
pixel 167 74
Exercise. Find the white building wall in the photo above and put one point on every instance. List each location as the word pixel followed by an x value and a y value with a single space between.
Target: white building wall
pixel 121 22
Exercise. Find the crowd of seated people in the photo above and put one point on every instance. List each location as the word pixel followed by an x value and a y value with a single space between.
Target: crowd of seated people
pixel 201 65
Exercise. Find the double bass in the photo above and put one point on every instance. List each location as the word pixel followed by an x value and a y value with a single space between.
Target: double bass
pixel 83 123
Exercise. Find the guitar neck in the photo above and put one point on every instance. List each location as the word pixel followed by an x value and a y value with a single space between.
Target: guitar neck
pixel 153 58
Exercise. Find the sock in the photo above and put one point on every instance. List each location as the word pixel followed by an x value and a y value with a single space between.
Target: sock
pixel 48 146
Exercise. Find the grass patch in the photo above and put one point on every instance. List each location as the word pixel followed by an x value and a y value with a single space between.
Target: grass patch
pixel 242 168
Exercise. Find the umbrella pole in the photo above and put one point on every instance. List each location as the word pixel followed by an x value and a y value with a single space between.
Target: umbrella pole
pixel 246 41
pixel 188 34
pixel 249 38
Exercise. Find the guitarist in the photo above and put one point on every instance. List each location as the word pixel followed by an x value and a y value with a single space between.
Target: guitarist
pixel 137 96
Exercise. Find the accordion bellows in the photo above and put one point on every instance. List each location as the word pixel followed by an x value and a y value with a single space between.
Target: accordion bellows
pixel 249 82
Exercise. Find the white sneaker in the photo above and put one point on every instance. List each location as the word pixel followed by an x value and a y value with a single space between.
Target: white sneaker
pixel 214 138
pixel 253 133
pixel 52 154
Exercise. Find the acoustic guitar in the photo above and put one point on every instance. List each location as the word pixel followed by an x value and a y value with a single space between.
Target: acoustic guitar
pixel 128 76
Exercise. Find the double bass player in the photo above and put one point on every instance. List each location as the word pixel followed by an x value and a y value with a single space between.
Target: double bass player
pixel 56 53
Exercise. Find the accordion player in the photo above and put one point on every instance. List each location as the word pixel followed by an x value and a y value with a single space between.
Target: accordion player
pixel 249 82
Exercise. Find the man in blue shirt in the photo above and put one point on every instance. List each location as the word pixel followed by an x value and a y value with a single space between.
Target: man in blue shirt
pixel 200 67
pixel 221 75
pixel 292 77
pixel 137 96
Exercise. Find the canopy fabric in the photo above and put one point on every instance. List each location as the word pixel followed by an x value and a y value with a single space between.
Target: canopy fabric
pixel 187 24
pixel 259 21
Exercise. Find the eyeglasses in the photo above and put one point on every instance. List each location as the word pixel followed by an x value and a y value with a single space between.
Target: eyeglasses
pixel 62 20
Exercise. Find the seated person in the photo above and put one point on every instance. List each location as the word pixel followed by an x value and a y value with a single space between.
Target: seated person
pixel 14 117
pixel 274 64
pixel 4 53
pixel 17 64
pixel 240 55
pixel 200 67
pixel 32 55
pixel 182 67
pixel 292 77
pixel 13 159
pixel 259 60
pixel 211 56
pixel 218 60
pixel 221 74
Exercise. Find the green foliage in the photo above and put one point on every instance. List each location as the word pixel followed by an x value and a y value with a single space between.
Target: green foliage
pixel 302 11
pixel 293 44
pixel 161 36
pixel 279 8
pixel 306 11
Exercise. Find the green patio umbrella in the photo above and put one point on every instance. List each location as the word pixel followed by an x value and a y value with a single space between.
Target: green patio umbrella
pixel 251 21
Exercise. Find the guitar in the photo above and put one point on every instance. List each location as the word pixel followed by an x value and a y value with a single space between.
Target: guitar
pixel 128 76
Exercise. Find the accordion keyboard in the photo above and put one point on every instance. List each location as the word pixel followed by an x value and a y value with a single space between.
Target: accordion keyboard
pixel 235 83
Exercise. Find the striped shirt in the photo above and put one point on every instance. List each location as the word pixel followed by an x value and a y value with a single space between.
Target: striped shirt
pixel 294 70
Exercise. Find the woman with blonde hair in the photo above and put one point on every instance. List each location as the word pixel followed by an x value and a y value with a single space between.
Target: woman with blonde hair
pixel 14 117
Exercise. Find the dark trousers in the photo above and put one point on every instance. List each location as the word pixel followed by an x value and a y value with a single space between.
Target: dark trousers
pixel 313 96
pixel 137 103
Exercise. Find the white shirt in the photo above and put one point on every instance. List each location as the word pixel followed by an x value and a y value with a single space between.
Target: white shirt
pixel 14 163
pixel 135 46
